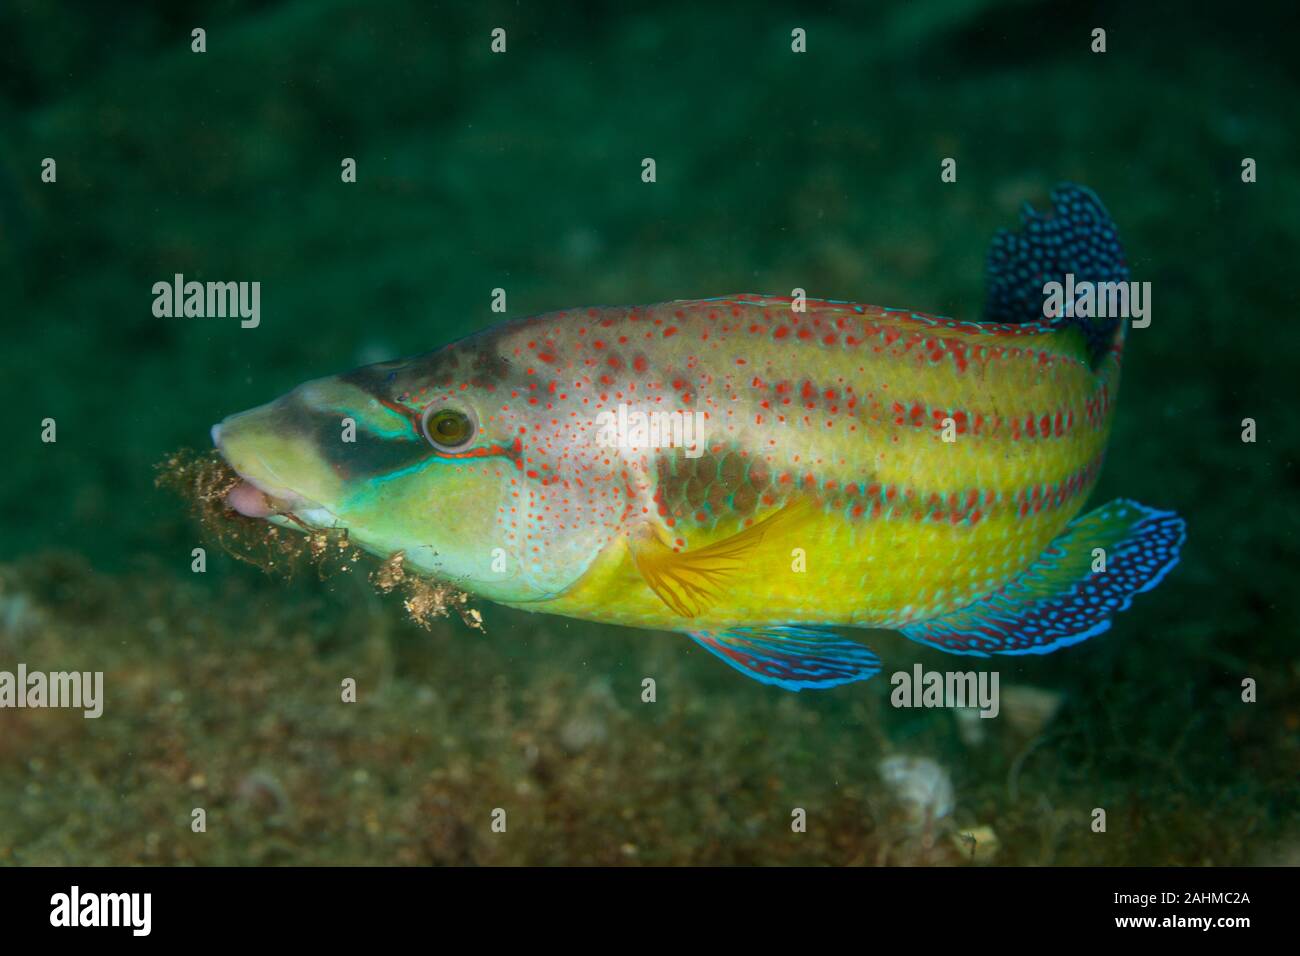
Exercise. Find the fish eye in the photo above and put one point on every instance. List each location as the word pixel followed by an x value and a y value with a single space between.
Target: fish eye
pixel 448 428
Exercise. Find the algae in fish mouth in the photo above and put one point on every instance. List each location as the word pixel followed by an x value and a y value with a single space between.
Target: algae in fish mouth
pixel 204 480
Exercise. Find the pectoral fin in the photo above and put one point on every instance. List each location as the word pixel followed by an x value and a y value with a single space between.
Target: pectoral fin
pixel 691 582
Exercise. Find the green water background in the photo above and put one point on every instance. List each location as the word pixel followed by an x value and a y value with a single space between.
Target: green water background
pixel 522 171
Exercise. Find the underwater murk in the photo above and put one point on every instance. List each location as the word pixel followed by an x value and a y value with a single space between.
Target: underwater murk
pixel 732 469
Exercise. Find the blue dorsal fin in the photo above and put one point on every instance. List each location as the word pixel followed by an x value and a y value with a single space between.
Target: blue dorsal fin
pixel 796 658
pixel 1059 600
pixel 1078 237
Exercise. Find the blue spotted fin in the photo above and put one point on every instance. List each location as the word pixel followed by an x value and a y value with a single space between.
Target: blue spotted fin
pixel 1059 600
pixel 796 658
pixel 1078 238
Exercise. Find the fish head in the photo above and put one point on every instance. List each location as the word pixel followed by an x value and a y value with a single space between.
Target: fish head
pixel 431 456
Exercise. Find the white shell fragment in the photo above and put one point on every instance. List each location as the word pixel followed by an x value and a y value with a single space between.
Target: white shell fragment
pixel 921 786
pixel 1029 709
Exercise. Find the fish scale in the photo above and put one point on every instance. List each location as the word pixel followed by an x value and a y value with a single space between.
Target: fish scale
pixel 882 484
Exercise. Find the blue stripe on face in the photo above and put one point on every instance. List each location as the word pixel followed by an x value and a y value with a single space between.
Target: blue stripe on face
pixel 406 472
pixel 383 440
pixel 379 421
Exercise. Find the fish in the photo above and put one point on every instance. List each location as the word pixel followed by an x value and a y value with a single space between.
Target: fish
pixel 760 473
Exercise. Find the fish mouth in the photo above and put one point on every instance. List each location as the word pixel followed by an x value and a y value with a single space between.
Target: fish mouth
pixel 260 497
pixel 252 501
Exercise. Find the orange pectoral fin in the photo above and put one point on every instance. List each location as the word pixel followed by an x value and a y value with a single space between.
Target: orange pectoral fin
pixel 692 582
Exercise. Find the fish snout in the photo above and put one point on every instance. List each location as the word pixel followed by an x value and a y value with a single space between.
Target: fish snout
pixel 280 473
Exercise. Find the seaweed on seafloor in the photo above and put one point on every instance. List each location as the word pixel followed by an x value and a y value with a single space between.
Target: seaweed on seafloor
pixel 204 481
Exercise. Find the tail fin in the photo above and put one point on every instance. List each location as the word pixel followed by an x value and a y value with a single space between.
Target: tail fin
pixel 1078 237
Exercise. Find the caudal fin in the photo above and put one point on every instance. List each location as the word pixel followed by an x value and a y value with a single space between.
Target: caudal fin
pixel 1060 599
pixel 1077 238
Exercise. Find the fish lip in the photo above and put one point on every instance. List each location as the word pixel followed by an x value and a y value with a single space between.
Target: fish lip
pixel 279 499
